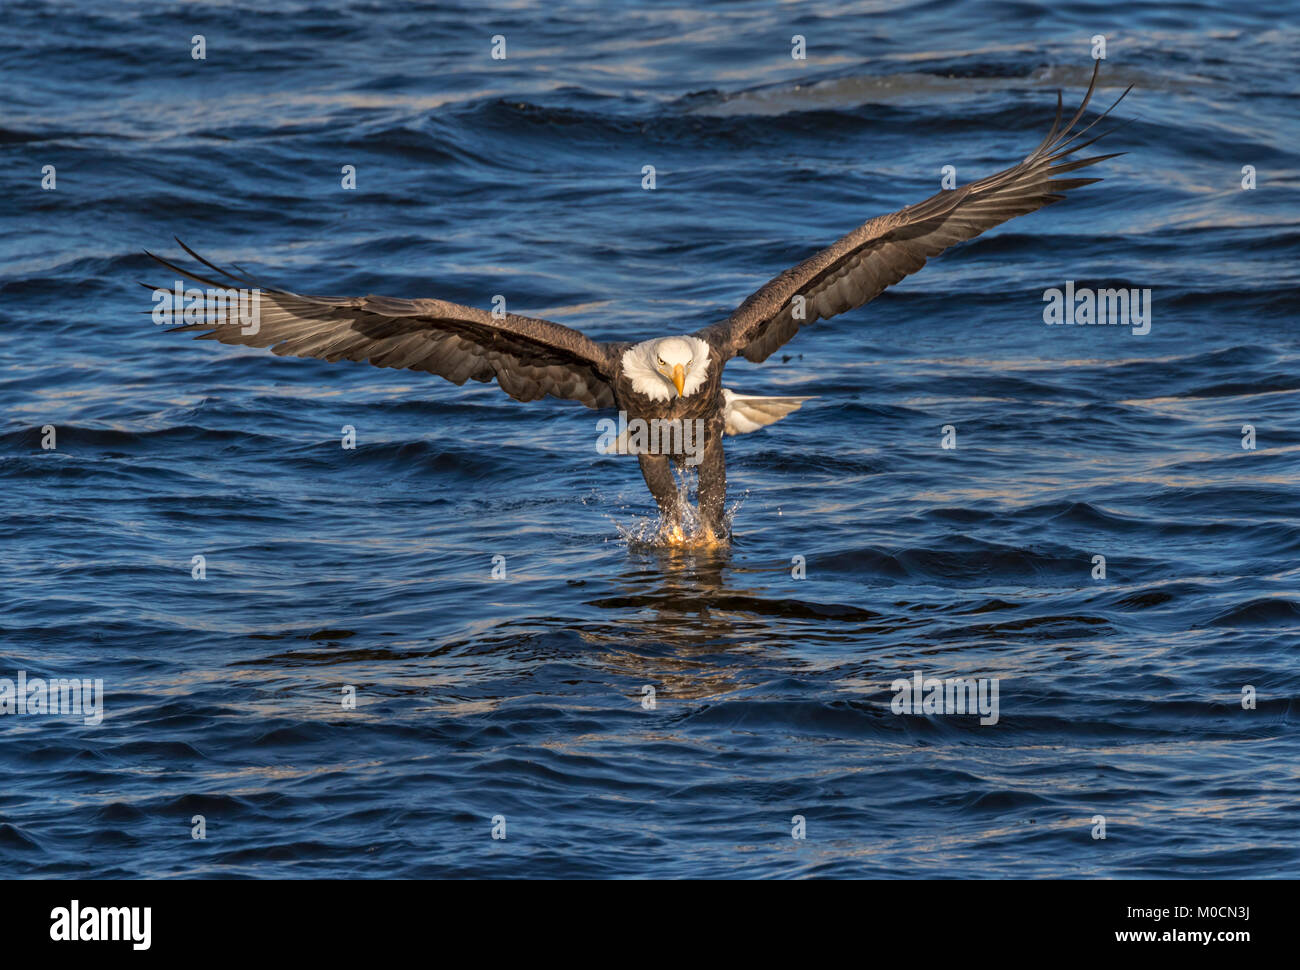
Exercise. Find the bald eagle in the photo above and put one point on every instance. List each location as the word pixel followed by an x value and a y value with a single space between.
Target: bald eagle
pixel 668 390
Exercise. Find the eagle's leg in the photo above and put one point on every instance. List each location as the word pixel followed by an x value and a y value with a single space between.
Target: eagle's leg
pixel 713 485
pixel 658 473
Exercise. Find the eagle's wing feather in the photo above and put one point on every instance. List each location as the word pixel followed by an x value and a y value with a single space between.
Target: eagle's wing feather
pixel 879 253
pixel 529 357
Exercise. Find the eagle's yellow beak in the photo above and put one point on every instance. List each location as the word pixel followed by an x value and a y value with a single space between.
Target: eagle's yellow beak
pixel 679 378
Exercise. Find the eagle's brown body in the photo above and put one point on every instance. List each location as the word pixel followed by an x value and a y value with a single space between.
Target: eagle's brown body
pixel 706 405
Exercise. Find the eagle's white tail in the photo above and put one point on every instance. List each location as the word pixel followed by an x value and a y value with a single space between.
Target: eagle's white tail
pixel 749 412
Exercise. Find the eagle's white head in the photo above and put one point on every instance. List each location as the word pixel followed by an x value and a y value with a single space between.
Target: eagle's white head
pixel 659 368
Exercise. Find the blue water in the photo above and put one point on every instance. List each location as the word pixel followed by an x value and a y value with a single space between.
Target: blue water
pixel 522 697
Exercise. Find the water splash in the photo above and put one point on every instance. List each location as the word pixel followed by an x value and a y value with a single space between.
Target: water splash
pixel 684 530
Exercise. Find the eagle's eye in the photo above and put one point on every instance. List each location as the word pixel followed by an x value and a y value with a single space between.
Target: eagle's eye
pixel 661 362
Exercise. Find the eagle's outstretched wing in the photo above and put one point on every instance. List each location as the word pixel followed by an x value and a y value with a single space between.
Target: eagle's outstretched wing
pixel 530 358
pixel 881 252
